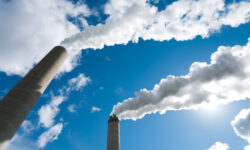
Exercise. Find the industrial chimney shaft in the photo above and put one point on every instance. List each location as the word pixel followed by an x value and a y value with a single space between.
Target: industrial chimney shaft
pixel 16 105
pixel 113 142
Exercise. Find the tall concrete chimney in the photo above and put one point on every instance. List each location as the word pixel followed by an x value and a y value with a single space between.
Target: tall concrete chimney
pixel 113 142
pixel 16 105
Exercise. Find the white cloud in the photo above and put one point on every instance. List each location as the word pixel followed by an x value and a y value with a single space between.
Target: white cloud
pixel 95 109
pixel 247 147
pixel 219 146
pixel 107 59
pixel 20 142
pixel 33 27
pixel 72 108
pixel 241 125
pixel 79 82
pixel 130 20
pixel 225 79
pixel 48 112
pixel 50 135
pixel 27 127
pixel 238 14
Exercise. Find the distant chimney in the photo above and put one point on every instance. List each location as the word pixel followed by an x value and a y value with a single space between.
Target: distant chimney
pixel 113 142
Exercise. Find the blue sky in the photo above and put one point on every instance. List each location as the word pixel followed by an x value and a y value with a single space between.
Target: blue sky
pixel 111 58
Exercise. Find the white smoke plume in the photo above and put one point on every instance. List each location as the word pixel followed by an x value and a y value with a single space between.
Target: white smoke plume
pixel 130 20
pixel 225 79
pixel 247 147
pixel 32 27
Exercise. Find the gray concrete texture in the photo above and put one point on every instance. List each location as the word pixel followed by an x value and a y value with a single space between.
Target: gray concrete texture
pixel 16 105
pixel 113 141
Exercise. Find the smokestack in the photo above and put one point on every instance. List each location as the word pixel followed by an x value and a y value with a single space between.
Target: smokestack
pixel 16 105
pixel 113 133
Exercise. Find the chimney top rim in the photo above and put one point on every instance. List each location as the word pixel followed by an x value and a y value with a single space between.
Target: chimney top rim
pixel 113 118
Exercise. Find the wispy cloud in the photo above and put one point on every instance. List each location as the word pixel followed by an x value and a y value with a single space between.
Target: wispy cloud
pixel 72 108
pixel 225 79
pixel 20 142
pixel 95 109
pixel 48 112
pixel 78 82
pixel 107 58
pixel 27 127
pixel 50 135
pixel 219 146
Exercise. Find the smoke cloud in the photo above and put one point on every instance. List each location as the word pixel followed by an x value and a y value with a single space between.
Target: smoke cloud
pixel 130 20
pixel 225 79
